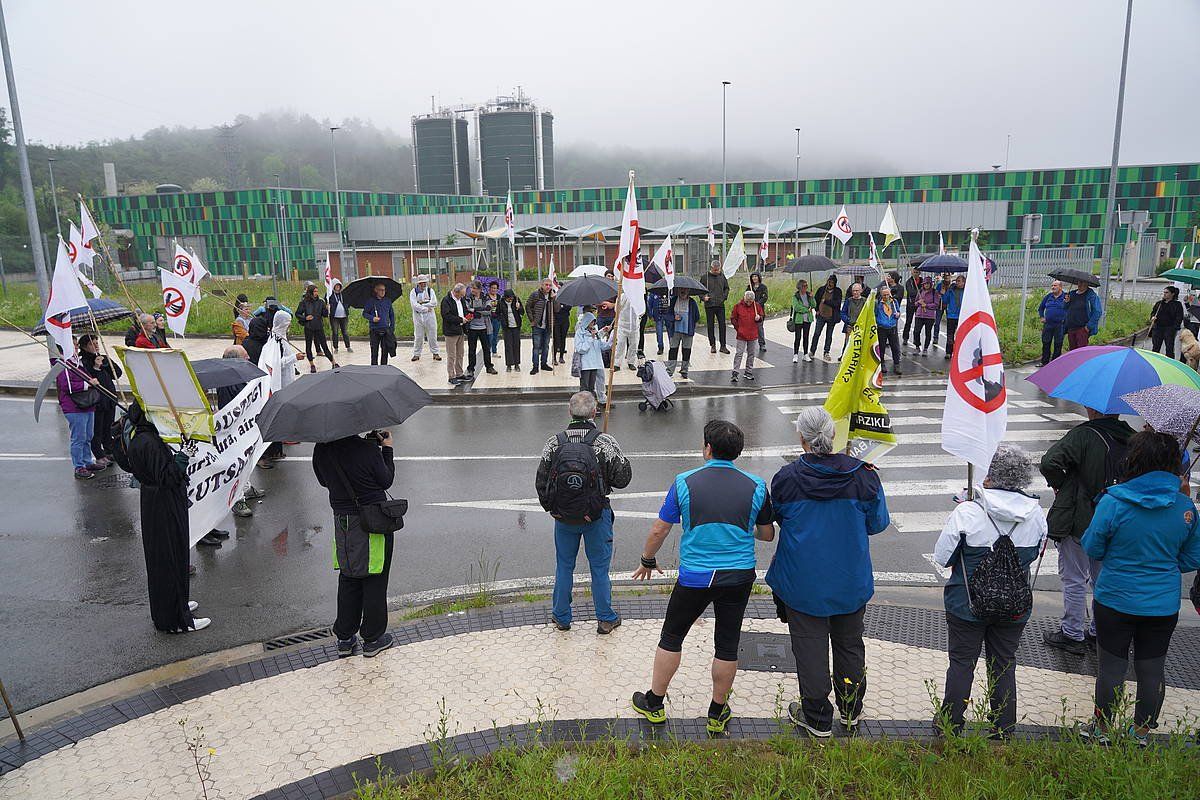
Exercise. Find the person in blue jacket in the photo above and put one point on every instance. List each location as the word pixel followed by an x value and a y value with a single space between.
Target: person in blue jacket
pixel 887 318
pixel 381 322
pixel 826 505
pixel 1145 534
pixel 681 313
pixel 952 303
pixel 1083 315
pixel 1052 311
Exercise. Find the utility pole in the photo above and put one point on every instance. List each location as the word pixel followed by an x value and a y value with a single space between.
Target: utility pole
pixel 796 233
pixel 337 204
pixel 724 179
pixel 54 196
pixel 35 230
pixel 1110 223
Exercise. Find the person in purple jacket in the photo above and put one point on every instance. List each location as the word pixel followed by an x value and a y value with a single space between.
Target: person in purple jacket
pixel 73 383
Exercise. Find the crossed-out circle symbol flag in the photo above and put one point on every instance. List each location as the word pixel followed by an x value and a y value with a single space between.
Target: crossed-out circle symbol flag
pixel 174 303
pixel 977 367
pixel 843 224
pixel 72 251
pixel 183 266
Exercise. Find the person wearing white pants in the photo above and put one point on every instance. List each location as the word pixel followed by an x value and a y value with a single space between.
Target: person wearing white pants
pixel 423 302
pixel 627 327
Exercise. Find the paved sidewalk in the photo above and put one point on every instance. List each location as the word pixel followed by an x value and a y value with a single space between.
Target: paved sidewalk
pixel 288 724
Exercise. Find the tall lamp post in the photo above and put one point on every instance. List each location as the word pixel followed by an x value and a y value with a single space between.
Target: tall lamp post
pixel 337 202
pixel 796 233
pixel 724 186
pixel 1110 224
pixel 512 245
pixel 54 196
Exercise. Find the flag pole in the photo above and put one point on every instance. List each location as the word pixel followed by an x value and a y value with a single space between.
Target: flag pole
pixel 65 363
pixel 12 714
pixel 612 360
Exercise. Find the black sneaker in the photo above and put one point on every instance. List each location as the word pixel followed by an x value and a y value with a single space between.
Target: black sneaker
pixel 372 649
pixel 1060 640
pixel 656 714
pixel 797 718
pixel 208 540
pixel 346 647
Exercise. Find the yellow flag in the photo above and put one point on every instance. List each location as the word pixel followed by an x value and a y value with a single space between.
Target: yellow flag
pixel 863 425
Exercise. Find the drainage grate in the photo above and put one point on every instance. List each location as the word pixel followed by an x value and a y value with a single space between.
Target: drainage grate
pixel 298 638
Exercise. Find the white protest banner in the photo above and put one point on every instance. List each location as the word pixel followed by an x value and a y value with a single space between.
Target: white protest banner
pixel 219 471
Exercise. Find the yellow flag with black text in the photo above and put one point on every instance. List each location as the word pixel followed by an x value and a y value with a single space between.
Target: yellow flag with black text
pixel 862 424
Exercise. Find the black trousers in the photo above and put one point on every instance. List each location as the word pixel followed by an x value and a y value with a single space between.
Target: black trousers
pixel 812 638
pixel 926 325
pixel 827 325
pixel 379 353
pixel 1161 336
pixel 716 319
pixel 999 640
pixel 687 604
pixel 800 338
pixel 102 442
pixel 362 602
pixel 951 329
pixel 338 325
pixel 909 313
pixel 1150 637
pixel 316 337
pixel 512 347
pixel 889 337
pixel 1052 339
pixel 481 338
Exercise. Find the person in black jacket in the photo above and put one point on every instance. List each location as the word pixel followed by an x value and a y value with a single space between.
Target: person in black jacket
pixel 107 371
pixel 1165 319
pixel 760 296
pixel 358 470
pixel 312 311
pixel 912 293
pixel 339 317
pixel 828 313
pixel 511 313
pixel 256 339
pixel 454 314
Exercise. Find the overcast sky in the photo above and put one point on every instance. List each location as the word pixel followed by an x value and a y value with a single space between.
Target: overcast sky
pixel 887 86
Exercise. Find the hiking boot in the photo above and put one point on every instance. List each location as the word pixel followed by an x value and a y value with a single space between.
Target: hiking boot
pixel 717 725
pixel 346 647
pixel 82 474
pixel 97 466
pixel 1063 642
pixel 656 715
pixel 605 627
pixel 559 624
pixel 208 540
pixel 724 349
pixel 242 509
pixel 492 371
pixel 372 649
pixel 797 718
pixel 254 493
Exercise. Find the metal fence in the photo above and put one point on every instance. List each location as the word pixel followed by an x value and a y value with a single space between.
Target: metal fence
pixel 1010 264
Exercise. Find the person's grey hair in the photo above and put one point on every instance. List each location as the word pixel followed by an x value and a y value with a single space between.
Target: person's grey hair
pixel 235 351
pixel 145 319
pixel 815 427
pixel 748 296
pixel 1010 469
pixel 582 405
pixel 458 287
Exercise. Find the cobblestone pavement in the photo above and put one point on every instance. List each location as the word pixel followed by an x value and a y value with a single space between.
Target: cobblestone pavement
pixel 272 731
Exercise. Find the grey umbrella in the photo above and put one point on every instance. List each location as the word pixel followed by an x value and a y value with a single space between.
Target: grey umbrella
pixel 1075 276
pixel 810 263
pixel 682 283
pixel 587 291
pixel 1167 408
pixel 341 402
pixel 218 373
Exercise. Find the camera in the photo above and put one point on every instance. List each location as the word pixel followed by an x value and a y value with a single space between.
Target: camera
pixel 378 435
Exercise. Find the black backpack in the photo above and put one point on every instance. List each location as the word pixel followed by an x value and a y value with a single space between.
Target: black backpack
pixel 122 434
pixel 576 490
pixel 999 589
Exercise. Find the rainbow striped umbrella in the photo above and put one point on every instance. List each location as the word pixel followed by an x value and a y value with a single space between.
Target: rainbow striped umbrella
pixel 1097 376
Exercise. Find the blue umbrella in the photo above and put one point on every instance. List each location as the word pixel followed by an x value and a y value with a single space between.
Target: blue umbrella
pixel 943 262
pixel 103 309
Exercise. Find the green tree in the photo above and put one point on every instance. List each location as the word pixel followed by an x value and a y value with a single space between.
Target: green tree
pixel 140 187
pixel 272 165
pixel 310 177
pixel 207 184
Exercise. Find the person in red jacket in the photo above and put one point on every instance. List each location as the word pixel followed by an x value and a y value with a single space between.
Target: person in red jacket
pixel 745 319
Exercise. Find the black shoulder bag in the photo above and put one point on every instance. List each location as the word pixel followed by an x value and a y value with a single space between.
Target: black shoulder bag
pixel 385 517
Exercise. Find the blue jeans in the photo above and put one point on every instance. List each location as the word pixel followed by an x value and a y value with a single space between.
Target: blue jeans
pixel 541 346
pixel 82 425
pixel 597 546
pixel 494 336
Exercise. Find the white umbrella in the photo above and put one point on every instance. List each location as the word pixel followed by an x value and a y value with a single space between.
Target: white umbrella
pixel 597 270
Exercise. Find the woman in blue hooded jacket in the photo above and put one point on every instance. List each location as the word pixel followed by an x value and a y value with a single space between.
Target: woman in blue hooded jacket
pixel 590 343
pixel 1145 534
pixel 827 504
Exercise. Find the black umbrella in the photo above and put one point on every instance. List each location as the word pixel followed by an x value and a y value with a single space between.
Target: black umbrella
pixel 341 402
pixel 1075 276
pixel 587 291
pixel 857 270
pixel 217 373
pixel 810 263
pixel 356 293
pixel 682 283
pixel 943 262
pixel 103 309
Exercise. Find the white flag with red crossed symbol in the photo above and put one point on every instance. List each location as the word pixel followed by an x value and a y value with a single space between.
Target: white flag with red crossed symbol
pixel 664 259
pixel 178 294
pixel 80 253
pixel 65 294
pixel 976 415
pixel 633 279
pixel 764 249
pixel 841 227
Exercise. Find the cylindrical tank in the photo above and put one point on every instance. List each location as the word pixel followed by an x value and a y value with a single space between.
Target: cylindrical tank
pixel 442 158
pixel 513 128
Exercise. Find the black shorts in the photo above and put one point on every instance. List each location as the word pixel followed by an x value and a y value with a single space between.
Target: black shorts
pixel 687 604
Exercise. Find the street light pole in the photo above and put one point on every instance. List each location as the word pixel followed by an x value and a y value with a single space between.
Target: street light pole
pixel 724 185
pixel 1110 224
pixel 54 196
pixel 35 229
pixel 796 233
pixel 337 203
pixel 1174 204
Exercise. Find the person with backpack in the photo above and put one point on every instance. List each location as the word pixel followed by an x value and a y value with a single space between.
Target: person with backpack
pixel 988 543
pixel 1078 467
pixel 1146 533
pixel 578 468
pixel 724 511
pixel 827 506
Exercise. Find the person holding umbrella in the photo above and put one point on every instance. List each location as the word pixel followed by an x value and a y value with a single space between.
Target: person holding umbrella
pixel 684 314
pixel 1052 311
pixel 381 319
pixel 590 343
pixel 1082 315
pixel 928 301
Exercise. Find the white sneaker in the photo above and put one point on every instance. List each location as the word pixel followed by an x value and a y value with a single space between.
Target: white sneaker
pixel 807 357
pixel 796 359
pixel 193 605
pixel 828 357
pixel 200 623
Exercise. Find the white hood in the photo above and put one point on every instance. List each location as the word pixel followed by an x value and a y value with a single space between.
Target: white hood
pixel 1006 506
pixel 1011 513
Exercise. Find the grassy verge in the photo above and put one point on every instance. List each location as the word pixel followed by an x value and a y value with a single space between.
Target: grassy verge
pixel 969 769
